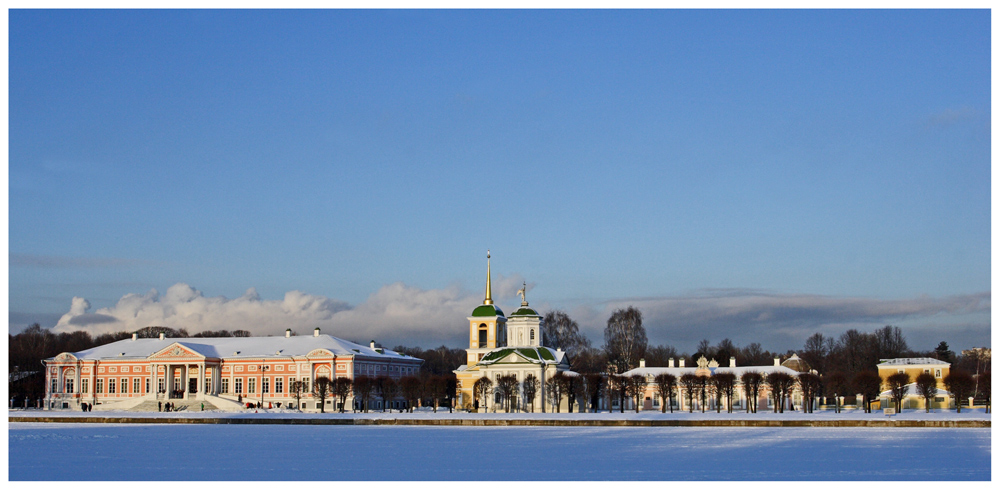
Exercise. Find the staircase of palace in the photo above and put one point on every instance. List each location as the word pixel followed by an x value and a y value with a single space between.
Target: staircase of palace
pixel 179 406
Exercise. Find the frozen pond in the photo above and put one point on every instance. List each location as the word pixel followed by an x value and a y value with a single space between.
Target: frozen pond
pixel 73 451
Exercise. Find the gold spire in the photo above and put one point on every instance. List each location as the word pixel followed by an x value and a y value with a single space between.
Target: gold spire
pixel 489 296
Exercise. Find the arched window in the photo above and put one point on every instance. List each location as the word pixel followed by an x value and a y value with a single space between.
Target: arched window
pixel 482 335
pixel 532 335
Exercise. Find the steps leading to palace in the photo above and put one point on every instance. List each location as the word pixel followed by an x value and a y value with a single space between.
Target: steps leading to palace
pixel 179 406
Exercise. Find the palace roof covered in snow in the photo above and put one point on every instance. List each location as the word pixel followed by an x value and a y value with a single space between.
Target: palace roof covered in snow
pixel 238 347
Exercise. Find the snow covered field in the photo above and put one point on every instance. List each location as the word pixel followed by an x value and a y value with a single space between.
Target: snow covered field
pixel 309 452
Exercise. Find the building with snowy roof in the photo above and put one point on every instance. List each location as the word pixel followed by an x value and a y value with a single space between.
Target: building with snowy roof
pixel 913 367
pixel 221 372
pixel 500 346
pixel 707 367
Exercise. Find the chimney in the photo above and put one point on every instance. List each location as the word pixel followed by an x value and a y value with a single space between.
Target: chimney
pixel 316 332
pixel 135 336
pixel 161 335
pixel 732 361
pixel 777 361
pixel 681 360
pixel 288 332
pixel 372 344
pixel 670 362
pixel 642 363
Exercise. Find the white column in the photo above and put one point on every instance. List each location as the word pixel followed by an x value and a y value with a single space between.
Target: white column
pixel 201 381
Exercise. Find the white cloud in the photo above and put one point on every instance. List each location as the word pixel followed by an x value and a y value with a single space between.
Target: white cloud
pixel 408 315
pixel 395 314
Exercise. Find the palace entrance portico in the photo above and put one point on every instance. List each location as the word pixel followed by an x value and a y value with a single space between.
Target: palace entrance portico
pixel 173 380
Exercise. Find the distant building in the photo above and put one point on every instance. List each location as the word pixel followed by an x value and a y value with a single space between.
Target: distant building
pixel 221 372
pixel 705 367
pixel 500 346
pixel 913 366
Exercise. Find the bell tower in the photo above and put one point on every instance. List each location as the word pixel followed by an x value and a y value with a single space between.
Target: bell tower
pixel 487 325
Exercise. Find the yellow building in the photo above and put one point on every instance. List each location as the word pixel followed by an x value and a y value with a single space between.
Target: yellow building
pixel 913 366
pixel 494 351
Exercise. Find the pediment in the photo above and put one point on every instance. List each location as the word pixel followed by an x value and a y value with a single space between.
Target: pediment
pixel 66 356
pixel 175 350
pixel 319 353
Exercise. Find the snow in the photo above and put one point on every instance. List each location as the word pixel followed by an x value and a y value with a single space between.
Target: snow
pixel 320 452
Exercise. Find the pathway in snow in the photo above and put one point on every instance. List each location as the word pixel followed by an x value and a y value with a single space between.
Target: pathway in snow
pixel 224 452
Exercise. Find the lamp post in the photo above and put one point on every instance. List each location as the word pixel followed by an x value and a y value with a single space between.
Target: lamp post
pixel 262 369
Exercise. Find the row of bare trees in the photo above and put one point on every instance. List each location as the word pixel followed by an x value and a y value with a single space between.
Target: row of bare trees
pixel 413 390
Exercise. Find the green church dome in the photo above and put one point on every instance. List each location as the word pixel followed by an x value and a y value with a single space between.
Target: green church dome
pixel 487 310
pixel 525 311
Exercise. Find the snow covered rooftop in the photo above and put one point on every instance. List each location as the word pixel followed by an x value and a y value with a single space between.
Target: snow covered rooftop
pixel 904 361
pixel 238 347
pixel 738 371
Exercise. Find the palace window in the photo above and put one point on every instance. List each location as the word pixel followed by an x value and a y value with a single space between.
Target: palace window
pixel 124 385
pixel 278 388
pixel 239 385
pixel 99 385
pixel 147 385
pixel 208 385
pixel 124 369
pixel 482 335
pixel 135 385
pixel 69 385
pixel 532 335
pixel 54 386
pixel 265 385
pixel 279 367
pixel 111 385
pixel 225 385
pixel 84 385
pixel 252 385
pixel 937 373
pixel 305 385
pixel 112 369
pixel 159 385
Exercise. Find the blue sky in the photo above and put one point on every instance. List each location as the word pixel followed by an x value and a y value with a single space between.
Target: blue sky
pixel 367 160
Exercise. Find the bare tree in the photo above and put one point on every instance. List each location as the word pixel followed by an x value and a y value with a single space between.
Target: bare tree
pixel 412 390
pixel 983 382
pixel 390 391
pixel 342 389
pixel 867 383
pixel 779 384
pixel 363 388
pixel 961 385
pixel 725 385
pixel 927 388
pixel 451 389
pixel 559 331
pixel 321 388
pixel 507 387
pixel 625 339
pixel 689 383
pixel 295 388
pixel 635 388
pixel 751 381
pixel 666 385
pixel 553 386
pixel 482 390
pixel 595 386
pixel 569 386
pixel 380 386
pixel 897 385
pixel 810 385
pixel 437 388
pixel 530 387
pixel 620 390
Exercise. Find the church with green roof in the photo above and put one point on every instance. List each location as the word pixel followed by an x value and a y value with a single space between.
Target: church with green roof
pixel 501 345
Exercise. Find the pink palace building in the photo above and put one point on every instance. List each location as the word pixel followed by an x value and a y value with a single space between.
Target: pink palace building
pixel 221 372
